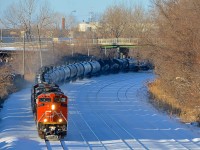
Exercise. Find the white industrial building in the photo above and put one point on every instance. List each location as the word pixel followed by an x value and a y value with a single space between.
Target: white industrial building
pixel 87 26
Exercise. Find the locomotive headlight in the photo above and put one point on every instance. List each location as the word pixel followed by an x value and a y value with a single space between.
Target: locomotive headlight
pixel 53 107
pixel 45 120
pixel 60 120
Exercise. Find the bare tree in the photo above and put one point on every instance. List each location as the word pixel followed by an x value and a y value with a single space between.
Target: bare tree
pixel 176 51
pixel 113 22
pixel 45 24
pixel 123 21
pixel 21 15
pixel 138 22
pixel 37 23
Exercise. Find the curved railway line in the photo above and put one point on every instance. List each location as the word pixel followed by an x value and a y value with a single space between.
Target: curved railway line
pixel 106 112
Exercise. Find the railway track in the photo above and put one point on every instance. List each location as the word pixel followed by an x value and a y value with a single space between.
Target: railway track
pixel 55 145
pixel 104 113
pixel 108 120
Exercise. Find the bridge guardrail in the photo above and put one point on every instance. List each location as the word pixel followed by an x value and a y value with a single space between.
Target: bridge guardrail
pixel 21 44
pixel 109 41
pixel 118 41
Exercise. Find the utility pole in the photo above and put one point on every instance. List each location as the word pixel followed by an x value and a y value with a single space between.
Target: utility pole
pixel 40 47
pixel 24 47
pixel 72 50
pixel 53 52
pixel 88 52
pixel 1 31
pixel 70 26
pixel 41 63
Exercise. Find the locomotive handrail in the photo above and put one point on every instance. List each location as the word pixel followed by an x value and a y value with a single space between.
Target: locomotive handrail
pixel 63 116
pixel 40 119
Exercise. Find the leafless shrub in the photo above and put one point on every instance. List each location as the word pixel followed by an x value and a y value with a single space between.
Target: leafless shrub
pixel 6 81
pixel 174 46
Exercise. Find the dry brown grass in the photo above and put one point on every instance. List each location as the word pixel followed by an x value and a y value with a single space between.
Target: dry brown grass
pixel 9 82
pixel 174 48
pixel 163 99
pixel 6 85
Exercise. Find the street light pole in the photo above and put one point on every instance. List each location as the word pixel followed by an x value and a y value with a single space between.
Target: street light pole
pixel 70 30
pixel 73 12
pixel 91 16
pixel 71 15
pixel 1 35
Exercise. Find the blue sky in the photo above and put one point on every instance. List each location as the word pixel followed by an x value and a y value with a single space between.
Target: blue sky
pixel 82 7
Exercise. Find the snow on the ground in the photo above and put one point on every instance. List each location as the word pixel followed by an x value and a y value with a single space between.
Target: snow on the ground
pixel 17 126
pixel 106 112
pixel 10 48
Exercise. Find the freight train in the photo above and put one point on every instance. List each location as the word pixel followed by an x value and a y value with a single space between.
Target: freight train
pixel 50 105
pixel 88 69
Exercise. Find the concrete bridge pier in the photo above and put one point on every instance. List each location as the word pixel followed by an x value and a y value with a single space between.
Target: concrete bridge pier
pixel 115 51
pixel 123 52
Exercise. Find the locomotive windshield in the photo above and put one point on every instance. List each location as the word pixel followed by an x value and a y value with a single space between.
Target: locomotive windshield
pixel 58 99
pixel 45 99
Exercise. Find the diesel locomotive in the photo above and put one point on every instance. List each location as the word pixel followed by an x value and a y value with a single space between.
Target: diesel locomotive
pixel 50 109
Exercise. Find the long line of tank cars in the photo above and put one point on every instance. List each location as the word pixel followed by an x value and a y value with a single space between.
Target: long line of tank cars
pixel 50 105
pixel 92 68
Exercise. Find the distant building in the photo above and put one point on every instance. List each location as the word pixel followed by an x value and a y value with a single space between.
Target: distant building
pixel 11 32
pixel 87 26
